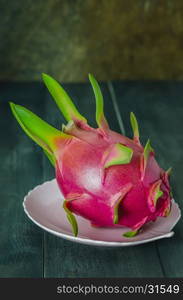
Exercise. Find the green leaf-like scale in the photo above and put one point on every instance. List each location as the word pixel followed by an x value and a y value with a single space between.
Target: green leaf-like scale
pixel 100 118
pixel 135 126
pixel 130 234
pixel 118 155
pixel 37 129
pixel 71 218
pixel 62 99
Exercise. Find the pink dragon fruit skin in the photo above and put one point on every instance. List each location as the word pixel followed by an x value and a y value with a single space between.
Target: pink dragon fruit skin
pixel 105 177
pixel 94 192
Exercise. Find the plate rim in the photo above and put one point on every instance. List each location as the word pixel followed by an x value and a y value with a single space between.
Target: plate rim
pixel 88 241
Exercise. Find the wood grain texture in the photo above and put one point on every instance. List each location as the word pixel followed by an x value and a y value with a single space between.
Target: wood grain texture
pixel 158 107
pixel 21 169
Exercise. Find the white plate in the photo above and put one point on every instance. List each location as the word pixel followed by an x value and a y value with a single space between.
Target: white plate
pixel 43 205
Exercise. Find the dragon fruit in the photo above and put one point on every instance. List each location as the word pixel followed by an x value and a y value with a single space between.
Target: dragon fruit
pixel 105 177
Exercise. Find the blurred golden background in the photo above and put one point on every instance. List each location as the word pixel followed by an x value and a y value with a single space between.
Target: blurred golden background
pixel 113 39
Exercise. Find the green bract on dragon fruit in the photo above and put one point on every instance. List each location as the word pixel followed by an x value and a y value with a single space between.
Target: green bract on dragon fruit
pixel 105 177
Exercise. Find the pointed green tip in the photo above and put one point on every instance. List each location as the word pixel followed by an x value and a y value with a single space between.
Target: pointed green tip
pixel 13 107
pixel 71 218
pixel 62 99
pixel 91 77
pixel 135 126
pixel 158 195
pixel 100 118
pixel 130 234
pixel 37 129
pixel 44 75
pixel 154 194
pixel 147 150
pixel 47 79
pixel 11 104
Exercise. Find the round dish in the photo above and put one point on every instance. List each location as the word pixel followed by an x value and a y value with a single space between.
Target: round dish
pixel 43 205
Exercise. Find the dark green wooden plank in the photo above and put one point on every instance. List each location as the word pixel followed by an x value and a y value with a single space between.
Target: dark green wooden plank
pixel 158 107
pixel 67 259
pixel 21 170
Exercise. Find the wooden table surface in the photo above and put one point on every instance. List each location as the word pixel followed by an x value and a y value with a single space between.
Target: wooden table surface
pixel 28 251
